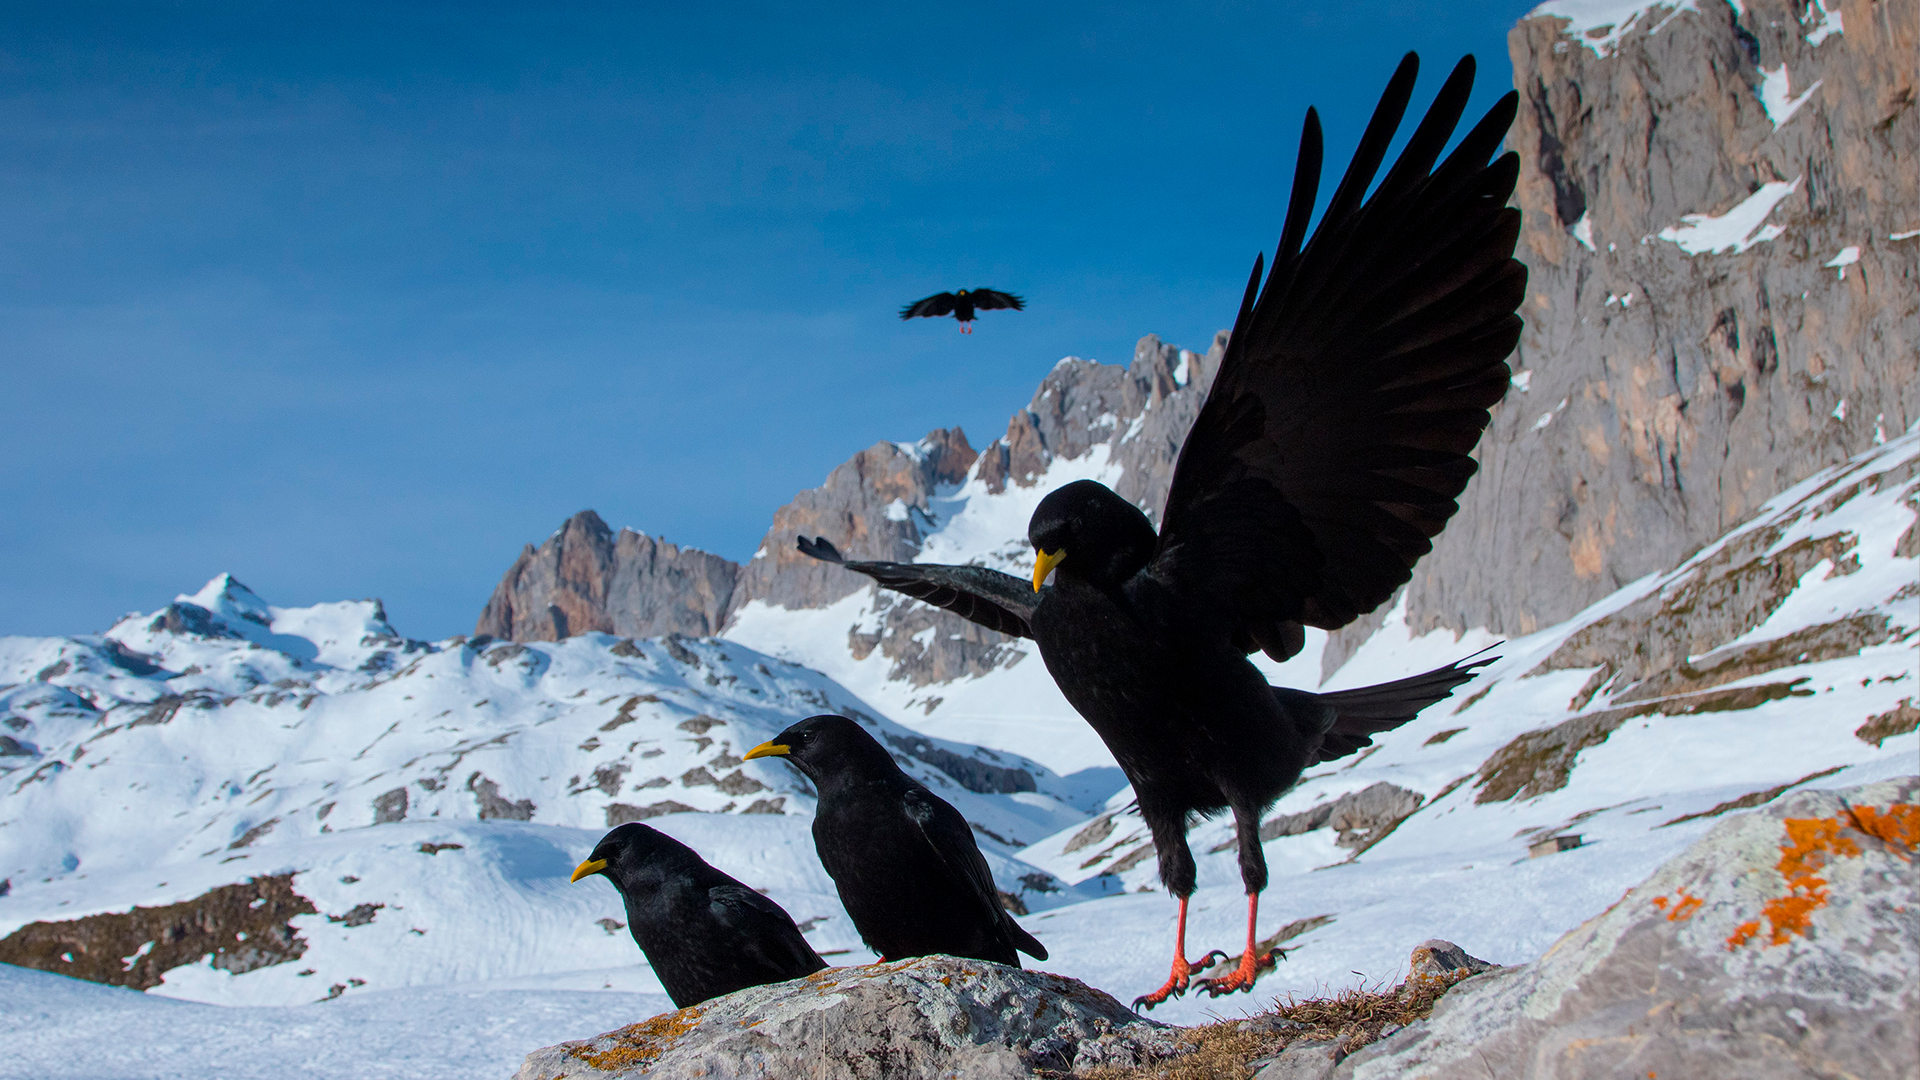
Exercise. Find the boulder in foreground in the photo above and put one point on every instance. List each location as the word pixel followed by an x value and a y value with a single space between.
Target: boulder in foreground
pixel 933 1016
pixel 1782 944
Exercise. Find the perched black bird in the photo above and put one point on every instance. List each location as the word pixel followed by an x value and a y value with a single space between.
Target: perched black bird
pixel 904 860
pixel 704 933
pixel 961 305
pixel 1328 454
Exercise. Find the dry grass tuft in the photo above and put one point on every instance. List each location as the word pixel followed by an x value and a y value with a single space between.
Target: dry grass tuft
pixel 1346 1022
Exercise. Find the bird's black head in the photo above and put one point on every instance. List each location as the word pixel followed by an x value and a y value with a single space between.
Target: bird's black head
pixel 827 748
pixel 632 849
pixel 1091 533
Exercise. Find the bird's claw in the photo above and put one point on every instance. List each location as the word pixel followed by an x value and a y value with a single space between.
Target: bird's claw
pixel 1176 984
pixel 1242 976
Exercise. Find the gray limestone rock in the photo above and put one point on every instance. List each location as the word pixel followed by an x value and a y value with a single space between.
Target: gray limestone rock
pixel 1308 1060
pixel 934 1016
pixel 1436 958
pixel 1781 944
pixel 1661 397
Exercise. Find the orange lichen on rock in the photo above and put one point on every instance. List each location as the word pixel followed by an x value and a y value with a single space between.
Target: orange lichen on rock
pixel 1684 905
pixel 1897 825
pixel 1811 844
pixel 639 1044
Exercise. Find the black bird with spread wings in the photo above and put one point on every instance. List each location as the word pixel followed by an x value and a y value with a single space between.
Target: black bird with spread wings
pixel 962 305
pixel 1330 451
pixel 704 933
pixel 903 859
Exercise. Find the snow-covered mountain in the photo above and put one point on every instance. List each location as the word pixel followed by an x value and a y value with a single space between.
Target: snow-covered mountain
pixel 334 806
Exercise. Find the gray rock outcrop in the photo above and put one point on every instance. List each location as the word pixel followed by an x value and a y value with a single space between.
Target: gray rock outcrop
pixel 934 1016
pixel 1781 944
pixel 1662 396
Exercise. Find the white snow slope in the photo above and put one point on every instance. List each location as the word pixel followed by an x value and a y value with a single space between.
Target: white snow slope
pixel 224 738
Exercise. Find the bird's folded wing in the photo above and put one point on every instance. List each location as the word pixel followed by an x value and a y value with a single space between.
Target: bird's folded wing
pixel 951 838
pixel 1339 430
pixel 994 299
pixel 766 932
pixel 995 600
pixel 933 306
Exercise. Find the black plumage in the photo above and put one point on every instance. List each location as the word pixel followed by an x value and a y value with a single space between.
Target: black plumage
pixel 906 864
pixel 962 305
pixel 1330 451
pixel 704 933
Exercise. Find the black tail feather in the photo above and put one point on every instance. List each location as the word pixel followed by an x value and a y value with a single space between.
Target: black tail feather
pixel 1024 941
pixel 1384 706
pixel 1362 713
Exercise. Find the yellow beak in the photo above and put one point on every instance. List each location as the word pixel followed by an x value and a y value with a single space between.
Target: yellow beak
pixel 1044 565
pixel 591 866
pixel 767 749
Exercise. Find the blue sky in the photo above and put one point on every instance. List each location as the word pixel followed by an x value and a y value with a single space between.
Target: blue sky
pixel 355 300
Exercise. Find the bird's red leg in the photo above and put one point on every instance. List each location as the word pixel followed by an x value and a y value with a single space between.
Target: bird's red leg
pixel 1241 978
pixel 966 328
pixel 1176 984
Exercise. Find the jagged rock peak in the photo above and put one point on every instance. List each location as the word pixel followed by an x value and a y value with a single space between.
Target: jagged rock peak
pixel 874 505
pixel 585 578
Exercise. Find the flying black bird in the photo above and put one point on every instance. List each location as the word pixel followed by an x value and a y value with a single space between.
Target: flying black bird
pixel 904 860
pixel 704 933
pixel 962 305
pixel 1329 453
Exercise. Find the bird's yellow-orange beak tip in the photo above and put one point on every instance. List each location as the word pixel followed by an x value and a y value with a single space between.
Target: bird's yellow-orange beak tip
pixel 590 867
pixel 767 749
pixel 1044 564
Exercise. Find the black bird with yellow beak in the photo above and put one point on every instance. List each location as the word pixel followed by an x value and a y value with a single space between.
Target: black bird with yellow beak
pixel 905 862
pixel 1332 446
pixel 704 933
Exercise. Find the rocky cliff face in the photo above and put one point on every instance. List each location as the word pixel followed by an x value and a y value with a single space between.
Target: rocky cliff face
pixel 1691 179
pixel 584 578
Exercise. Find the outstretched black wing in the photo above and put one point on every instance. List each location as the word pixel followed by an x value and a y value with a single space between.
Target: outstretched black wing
pixel 1337 434
pixel 993 299
pixel 932 307
pixel 995 600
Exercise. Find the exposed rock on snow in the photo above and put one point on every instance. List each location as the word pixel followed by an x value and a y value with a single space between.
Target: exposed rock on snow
pixel 1783 944
pixel 934 1016
pixel 1437 958
pixel 239 928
